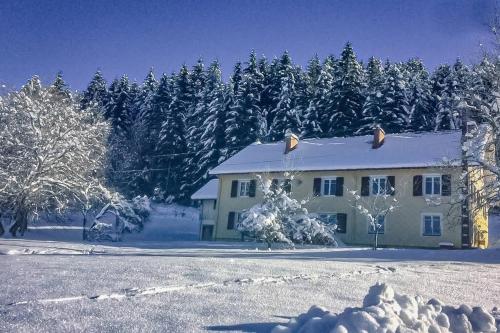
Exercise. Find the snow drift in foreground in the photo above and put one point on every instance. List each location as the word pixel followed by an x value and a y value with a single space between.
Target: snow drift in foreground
pixel 386 311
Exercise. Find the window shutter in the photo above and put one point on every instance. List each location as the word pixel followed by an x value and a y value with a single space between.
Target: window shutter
pixel 341 223
pixel 339 189
pixel 251 190
pixel 365 186
pixel 391 181
pixel 230 220
pixel 274 185
pixel 446 185
pixel 287 186
pixel 317 187
pixel 234 189
pixel 417 186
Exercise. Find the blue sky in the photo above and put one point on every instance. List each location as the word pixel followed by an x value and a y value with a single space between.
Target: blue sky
pixel 78 37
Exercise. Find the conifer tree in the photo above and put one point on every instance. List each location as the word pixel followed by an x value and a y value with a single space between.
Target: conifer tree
pixel 374 102
pixel 96 94
pixel 395 113
pixel 172 140
pixel 347 95
pixel 422 116
pixel 286 114
pixel 311 124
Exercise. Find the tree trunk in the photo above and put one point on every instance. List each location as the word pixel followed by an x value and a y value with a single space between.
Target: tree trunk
pixel 375 246
pixel 2 230
pixel 21 220
pixel 84 232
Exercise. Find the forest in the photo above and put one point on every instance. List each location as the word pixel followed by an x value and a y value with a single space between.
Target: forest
pixel 166 133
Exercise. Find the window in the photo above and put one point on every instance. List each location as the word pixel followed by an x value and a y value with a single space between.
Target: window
pixel 433 185
pixel 215 204
pixel 328 218
pixel 380 221
pixel 432 225
pixel 284 184
pixel 244 190
pixel 329 186
pixel 379 185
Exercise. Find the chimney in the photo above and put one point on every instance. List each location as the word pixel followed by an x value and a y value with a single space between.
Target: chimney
pixel 378 137
pixel 291 142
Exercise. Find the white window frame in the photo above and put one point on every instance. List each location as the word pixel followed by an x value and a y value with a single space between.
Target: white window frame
pixel 422 221
pixel 432 175
pixel 378 177
pixel 372 231
pixel 330 178
pixel 240 183
pixel 238 218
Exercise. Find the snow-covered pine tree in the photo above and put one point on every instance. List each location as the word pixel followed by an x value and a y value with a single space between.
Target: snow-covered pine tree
pixel 347 94
pixel 233 116
pixel 212 150
pixel 118 107
pixel 245 123
pixel 172 144
pixel 286 114
pixel 422 115
pixel 374 102
pixel 60 87
pixel 311 124
pixel 395 115
pixel 96 95
pixel 197 113
pixel 440 97
pixel 145 133
pixel 321 103
pixel 121 152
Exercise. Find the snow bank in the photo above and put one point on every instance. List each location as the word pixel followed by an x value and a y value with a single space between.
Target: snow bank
pixel 386 311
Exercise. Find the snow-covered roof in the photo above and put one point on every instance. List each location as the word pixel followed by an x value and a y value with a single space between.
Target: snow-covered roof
pixel 404 150
pixel 208 191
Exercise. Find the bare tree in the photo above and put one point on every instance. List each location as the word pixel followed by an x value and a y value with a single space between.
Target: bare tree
pixel 51 153
pixel 375 209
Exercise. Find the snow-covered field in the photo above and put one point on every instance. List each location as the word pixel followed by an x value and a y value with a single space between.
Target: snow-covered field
pixel 190 286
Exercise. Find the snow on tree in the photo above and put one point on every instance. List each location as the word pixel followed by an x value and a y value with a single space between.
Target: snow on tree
pixel 373 105
pixel 246 123
pixel 283 219
pixel 422 116
pixel 172 145
pixel 286 114
pixel 347 95
pixel 375 208
pixel 96 95
pixel 481 144
pixel 311 124
pixel 395 113
pixel 52 153
pixel 130 216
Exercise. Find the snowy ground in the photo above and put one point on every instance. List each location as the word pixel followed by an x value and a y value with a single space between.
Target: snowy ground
pixel 190 286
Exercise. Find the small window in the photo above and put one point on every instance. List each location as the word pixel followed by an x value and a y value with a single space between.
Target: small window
pixel 244 190
pixel 433 185
pixel 328 218
pixel 379 185
pixel 432 225
pixel 380 225
pixel 215 204
pixel 329 186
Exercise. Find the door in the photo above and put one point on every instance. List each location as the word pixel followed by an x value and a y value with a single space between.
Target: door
pixel 206 232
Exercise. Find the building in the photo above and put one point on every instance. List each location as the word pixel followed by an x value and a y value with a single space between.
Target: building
pixel 207 199
pixel 421 170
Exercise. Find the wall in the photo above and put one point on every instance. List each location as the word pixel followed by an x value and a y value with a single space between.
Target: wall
pixel 403 227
